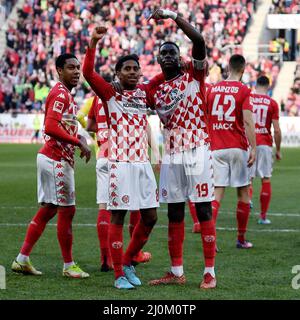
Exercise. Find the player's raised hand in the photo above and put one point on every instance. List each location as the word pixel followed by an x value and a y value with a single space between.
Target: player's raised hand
pixel 159 14
pixel 85 150
pixel 97 34
pixel 251 158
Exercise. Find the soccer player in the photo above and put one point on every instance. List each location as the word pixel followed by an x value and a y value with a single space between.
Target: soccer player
pixel 266 112
pixel 97 123
pixel 186 171
pixel 231 124
pixel 55 170
pixel 132 184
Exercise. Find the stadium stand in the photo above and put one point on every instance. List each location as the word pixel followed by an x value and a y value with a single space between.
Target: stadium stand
pixel 45 29
pixel 285 7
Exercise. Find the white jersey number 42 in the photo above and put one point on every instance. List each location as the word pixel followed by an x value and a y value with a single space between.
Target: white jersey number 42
pixel 218 109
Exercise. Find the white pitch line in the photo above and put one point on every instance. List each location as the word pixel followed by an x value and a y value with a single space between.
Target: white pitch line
pixel 88 225
pixel 275 214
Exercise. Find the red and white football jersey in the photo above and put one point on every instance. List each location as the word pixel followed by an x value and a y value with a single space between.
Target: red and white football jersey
pixel 180 104
pixel 97 113
pixel 126 114
pixel 265 110
pixel 226 101
pixel 60 106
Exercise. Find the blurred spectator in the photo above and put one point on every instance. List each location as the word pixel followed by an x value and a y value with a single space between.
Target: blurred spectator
pixel 285 7
pixel 292 104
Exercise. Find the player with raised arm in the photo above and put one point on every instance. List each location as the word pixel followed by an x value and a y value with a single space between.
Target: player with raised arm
pixel 266 112
pixel 186 171
pixel 97 123
pixel 231 127
pixel 55 170
pixel 132 184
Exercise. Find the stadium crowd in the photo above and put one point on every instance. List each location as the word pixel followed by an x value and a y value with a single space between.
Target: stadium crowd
pixel 45 29
pixel 291 107
pixel 285 7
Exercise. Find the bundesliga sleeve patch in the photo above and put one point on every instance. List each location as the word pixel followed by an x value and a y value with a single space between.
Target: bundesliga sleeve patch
pixel 58 106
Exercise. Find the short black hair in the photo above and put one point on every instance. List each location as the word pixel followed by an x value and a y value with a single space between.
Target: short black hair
pixel 123 59
pixel 263 81
pixel 237 63
pixel 169 42
pixel 61 60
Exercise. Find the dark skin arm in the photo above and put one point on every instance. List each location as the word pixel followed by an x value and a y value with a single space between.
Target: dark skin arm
pixel 199 49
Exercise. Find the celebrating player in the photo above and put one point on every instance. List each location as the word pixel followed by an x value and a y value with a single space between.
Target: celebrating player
pixel 132 184
pixel 97 123
pixel 231 123
pixel 55 163
pixel 186 172
pixel 266 112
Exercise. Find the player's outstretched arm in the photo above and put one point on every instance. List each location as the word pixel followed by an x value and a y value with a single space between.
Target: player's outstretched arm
pixel 250 133
pixel 199 49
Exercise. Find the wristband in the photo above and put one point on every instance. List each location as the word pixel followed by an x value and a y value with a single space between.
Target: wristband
pixel 169 14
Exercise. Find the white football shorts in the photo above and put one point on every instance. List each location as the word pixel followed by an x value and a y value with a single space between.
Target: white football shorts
pixel 132 186
pixel 187 175
pixel 56 183
pixel 102 180
pixel 263 164
pixel 230 167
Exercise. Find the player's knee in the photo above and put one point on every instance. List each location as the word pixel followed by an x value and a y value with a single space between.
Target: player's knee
pixel 204 211
pixel 149 217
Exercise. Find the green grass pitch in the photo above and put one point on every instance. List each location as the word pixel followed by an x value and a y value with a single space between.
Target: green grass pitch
pixel 264 272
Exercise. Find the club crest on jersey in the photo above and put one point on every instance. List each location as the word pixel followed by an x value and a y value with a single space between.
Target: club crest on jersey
pixel 58 106
pixel 125 199
pixel 164 193
pixel 173 93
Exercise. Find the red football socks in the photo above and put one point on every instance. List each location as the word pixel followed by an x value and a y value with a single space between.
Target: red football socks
pixel 36 228
pixel 175 242
pixel 193 211
pixel 115 238
pixel 103 223
pixel 242 216
pixel 139 238
pixel 215 205
pixel 133 221
pixel 265 198
pixel 64 231
pixel 208 235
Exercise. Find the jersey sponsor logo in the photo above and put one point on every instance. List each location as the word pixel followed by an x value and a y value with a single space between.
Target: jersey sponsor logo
pixel 209 238
pixel 61 95
pixel 125 199
pixel 58 106
pixel 117 245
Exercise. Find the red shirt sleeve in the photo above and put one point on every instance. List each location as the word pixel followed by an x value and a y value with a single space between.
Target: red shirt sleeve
pixel 247 104
pixel 92 112
pixel 275 113
pixel 103 89
pixel 56 104
pixel 151 87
